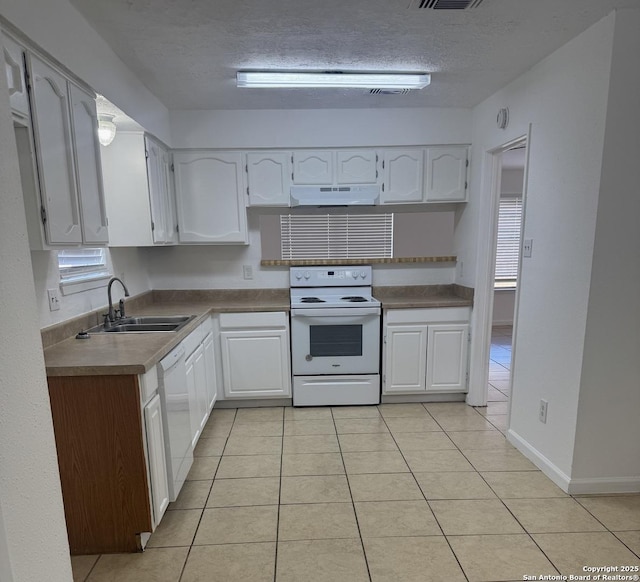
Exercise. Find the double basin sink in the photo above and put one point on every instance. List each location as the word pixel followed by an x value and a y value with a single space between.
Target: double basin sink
pixel 146 324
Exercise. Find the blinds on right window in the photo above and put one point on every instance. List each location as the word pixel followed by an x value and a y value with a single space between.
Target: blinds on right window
pixel 508 250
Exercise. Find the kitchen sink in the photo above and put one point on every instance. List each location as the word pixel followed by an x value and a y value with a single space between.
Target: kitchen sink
pixel 145 324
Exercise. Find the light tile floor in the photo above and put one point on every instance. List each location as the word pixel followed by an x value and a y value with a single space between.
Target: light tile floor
pixel 499 377
pixel 396 492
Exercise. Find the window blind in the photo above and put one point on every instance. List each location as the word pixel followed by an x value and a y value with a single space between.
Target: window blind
pixel 508 250
pixel 82 264
pixel 331 236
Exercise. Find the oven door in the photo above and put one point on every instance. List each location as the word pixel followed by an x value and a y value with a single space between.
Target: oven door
pixel 335 341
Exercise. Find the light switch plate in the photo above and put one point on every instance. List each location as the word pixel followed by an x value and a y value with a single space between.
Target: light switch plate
pixel 247 271
pixel 54 299
pixel 527 247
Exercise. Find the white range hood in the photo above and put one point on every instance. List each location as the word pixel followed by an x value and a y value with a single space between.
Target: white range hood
pixel 335 195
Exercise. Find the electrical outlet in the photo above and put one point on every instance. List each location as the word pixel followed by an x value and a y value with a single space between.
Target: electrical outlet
pixel 54 299
pixel 542 413
pixel 527 248
pixel 247 271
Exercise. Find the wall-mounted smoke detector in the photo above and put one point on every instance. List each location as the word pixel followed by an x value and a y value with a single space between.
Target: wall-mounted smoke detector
pixel 445 4
pixel 389 91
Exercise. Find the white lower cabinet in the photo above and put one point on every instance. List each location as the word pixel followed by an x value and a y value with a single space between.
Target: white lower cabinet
pixel 425 350
pixel 256 356
pixel 210 369
pixel 156 457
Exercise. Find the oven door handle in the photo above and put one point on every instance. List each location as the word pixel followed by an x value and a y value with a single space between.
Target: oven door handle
pixel 335 312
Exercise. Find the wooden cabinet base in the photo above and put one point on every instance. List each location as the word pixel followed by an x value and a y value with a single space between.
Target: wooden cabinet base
pixel 98 430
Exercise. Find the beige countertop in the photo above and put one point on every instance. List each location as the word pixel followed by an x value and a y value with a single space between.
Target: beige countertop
pixel 124 354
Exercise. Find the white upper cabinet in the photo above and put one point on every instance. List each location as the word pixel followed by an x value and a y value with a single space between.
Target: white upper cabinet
pixel 88 167
pixel 446 174
pixel 356 167
pixel 161 199
pixel 16 78
pixel 402 176
pixel 268 178
pixel 313 167
pixel 210 197
pixel 54 153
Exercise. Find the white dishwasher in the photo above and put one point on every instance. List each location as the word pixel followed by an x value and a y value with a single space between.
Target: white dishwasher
pixel 176 418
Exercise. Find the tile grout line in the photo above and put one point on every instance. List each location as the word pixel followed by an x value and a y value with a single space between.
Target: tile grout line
pixel 275 561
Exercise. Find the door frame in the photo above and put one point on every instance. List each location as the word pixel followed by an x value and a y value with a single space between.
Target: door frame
pixel 482 316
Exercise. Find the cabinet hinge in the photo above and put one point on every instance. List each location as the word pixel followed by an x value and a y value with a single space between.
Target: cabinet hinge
pixel 43 214
pixel 383 186
pixel 383 164
pixel 146 154
pixel 153 226
pixel 292 177
pixel 27 79
pixel 465 185
pixel 376 174
pixel 384 339
pixel 177 228
pixel 173 169
pixel 247 190
pixel 246 168
pixel 292 158
pixel 467 163
pixel 376 158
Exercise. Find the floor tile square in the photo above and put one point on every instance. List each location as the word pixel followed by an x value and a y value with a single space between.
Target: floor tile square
pixel 312 464
pixel 266 414
pixel 462 422
pixel 317 521
pixel 384 487
pixel 152 565
pixel 412 424
pixel 306 427
pixel 500 557
pixel 355 412
pixel 315 489
pixel 522 485
pixel 251 491
pixel 377 441
pixel 479 440
pixel 375 462
pixel 254 429
pixel 411 559
pixel 617 513
pixel 423 441
pixel 474 517
pixel 553 515
pixel 223 413
pixel 253 445
pixel 249 466
pixel 216 428
pixel 499 421
pixel 570 552
pixel 203 468
pixel 361 425
pixel 210 447
pixel 396 518
pixel 493 408
pixel 631 539
pixel 232 525
pixel 177 528
pixel 321 443
pixel 308 413
pixel 454 485
pixel 496 460
pixel 402 410
pixel 231 563
pixel 434 461
pixel 449 409
pixel 321 561
pixel 81 566
pixel 193 495
pixel 496 396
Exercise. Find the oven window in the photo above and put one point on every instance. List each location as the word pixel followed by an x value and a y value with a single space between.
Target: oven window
pixel 335 340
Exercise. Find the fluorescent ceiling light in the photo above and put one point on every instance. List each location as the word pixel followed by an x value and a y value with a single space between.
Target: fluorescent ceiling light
pixel 363 80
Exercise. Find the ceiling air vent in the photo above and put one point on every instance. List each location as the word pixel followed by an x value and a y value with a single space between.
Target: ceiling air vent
pixel 445 4
pixel 389 91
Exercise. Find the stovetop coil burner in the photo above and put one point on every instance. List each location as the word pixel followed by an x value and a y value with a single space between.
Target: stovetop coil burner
pixel 312 300
pixel 354 299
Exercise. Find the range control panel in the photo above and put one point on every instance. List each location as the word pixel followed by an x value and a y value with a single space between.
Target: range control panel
pixel 330 276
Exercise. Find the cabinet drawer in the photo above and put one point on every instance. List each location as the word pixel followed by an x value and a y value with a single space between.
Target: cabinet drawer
pixel 428 315
pixel 148 384
pixel 269 319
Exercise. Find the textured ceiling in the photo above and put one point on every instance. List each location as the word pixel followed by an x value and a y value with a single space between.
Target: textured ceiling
pixel 188 51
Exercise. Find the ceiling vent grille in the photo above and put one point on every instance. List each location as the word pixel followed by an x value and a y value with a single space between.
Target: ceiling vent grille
pixel 389 91
pixel 445 4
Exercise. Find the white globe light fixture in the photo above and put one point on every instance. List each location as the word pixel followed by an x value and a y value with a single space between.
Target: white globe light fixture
pixel 106 129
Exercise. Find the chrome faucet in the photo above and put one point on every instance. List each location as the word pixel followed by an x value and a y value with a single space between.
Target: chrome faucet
pixel 110 316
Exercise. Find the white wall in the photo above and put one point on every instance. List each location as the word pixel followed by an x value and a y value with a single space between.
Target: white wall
pixel 504 301
pixel 128 264
pixel 32 525
pixel 608 431
pixel 61 31
pixel 319 128
pixel 564 98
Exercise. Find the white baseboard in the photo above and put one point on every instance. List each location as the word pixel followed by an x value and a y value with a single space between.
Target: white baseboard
pixel 585 486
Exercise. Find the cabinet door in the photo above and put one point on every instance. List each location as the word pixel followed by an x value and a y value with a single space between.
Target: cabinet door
pixel 54 153
pixel 446 174
pixel 200 372
pixel 268 178
pixel 255 363
pixel 171 220
pixel 156 456
pixel 402 171
pixel 88 166
pixel 210 197
pixel 192 391
pixel 157 190
pixel 447 357
pixel 16 79
pixel 313 167
pixel 356 167
pixel 210 369
pixel 405 358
